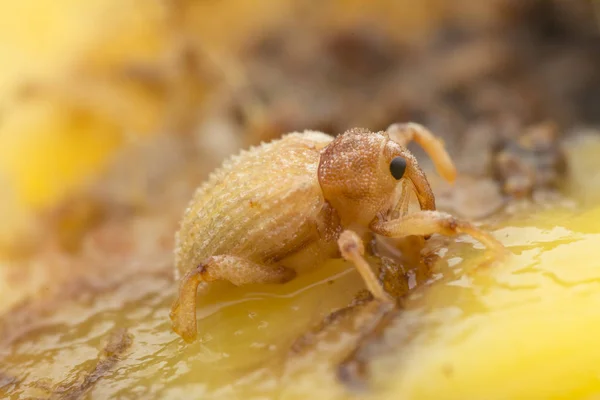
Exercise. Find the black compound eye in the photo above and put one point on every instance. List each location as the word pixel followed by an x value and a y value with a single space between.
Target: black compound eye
pixel 398 167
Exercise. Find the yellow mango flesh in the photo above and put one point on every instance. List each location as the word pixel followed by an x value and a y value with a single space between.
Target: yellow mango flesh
pixel 526 328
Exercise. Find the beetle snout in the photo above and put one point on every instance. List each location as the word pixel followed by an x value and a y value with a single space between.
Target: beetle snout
pixel 422 188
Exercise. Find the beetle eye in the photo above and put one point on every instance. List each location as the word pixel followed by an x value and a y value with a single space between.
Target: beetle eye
pixel 398 167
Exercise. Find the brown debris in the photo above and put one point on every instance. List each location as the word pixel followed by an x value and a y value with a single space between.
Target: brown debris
pixel 353 369
pixel 532 162
pixel 118 343
pixel 310 338
pixel 6 382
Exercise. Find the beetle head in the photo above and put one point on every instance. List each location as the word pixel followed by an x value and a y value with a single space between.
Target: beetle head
pixel 359 173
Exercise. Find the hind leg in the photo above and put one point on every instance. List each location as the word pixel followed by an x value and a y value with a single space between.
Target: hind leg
pixel 236 270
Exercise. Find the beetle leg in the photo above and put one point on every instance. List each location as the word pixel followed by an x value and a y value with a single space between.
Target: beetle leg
pixel 352 249
pixel 236 270
pixel 405 133
pixel 424 223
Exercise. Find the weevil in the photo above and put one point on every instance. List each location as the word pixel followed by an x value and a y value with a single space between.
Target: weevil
pixel 278 209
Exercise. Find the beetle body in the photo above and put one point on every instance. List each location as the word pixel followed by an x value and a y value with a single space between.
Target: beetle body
pixel 263 205
pixel 282 207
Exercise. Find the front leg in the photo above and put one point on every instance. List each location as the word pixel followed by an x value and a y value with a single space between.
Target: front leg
pixel 425 223
pixel 353 250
